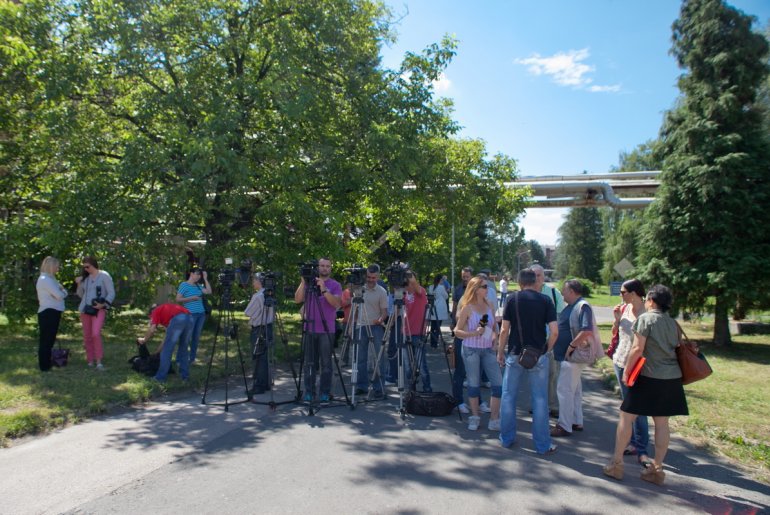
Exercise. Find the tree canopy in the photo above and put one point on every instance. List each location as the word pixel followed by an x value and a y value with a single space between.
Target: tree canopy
pixel 267 129
pixel 708 234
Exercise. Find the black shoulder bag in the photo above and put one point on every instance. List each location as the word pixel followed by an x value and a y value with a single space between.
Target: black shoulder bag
pixel 529 354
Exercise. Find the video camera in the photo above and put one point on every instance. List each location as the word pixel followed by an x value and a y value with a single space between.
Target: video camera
pixel 228 274
pixel 309 271
pixel 268 280
pixel 356 275
pixel 398 274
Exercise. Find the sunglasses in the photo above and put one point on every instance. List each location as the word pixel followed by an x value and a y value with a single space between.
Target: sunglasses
pixel 623 292
pixel 485 286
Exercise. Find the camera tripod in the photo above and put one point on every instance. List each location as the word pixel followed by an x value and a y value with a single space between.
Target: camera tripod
pixel 404 353
pixel 311 353
pixel 227 328
pixel 263 352
pixel 354 332
pixel 430 315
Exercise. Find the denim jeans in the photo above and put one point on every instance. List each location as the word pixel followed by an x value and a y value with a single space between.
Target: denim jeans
pixel 318 350
pixel 435 332
pixel 640 437
pixel 261 376
pixel 361 337
pixel 177 332
pixel 538 385
pixel 197 319
pixel 459 376
pixel 392 354
pixel 475 359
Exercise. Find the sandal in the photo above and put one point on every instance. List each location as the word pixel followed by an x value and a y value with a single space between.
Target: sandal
pixel 645 461
pixel 614 469
pixel 654 474
pixel 630 451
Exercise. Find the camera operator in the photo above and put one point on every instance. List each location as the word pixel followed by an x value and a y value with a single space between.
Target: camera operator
pixel 96 292
pixel 178 323
pixel 415 301
pixel 371 319
pixel 190 293
pixel 261 320
pixel 319 333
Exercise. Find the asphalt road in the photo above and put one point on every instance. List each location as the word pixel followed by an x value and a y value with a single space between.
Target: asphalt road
pixel 179 456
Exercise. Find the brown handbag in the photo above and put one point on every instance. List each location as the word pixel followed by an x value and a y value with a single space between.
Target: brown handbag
pixel 691 360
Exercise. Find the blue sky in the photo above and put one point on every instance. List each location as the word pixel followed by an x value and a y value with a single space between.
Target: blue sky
pixel 562 86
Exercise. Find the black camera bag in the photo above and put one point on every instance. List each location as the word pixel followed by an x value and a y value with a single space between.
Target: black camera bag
pixel 429 404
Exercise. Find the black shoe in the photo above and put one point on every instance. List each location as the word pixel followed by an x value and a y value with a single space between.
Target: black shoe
pixel 553 413
pixel 361 391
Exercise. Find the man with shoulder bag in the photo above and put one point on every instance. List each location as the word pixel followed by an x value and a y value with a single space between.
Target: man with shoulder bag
pixel 521 349
pixel 575 350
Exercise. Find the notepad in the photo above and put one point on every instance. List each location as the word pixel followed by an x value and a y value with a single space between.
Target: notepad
pixel 635 371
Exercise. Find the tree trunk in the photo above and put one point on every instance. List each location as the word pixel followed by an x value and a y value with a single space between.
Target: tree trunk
pixel 721 322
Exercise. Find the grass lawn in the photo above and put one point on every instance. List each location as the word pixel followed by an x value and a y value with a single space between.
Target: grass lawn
pixel 33 402
pixel 728 410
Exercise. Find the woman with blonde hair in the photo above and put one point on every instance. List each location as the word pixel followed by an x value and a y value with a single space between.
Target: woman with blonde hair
pixel 50 297
pixel 478 330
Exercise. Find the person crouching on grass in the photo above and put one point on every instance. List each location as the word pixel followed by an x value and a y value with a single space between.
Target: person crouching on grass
pixel 178 323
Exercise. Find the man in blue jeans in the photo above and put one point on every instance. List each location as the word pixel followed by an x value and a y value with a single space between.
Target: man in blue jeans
pixel 178 323
pixel 526 315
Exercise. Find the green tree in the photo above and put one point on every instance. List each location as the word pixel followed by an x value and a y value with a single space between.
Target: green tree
pixel 267 129
pixel 622 227
pixel 708 235
pixel 579 252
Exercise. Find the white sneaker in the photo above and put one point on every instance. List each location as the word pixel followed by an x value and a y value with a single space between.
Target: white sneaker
pixel 473 422
pixel 464 409
pixel 494 425
pixel 99 367
pixel 484 407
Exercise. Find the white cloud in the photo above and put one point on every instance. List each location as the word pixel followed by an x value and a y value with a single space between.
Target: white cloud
pixel 442 84
pixel 605 89
pixel 566 69
pixel 542 224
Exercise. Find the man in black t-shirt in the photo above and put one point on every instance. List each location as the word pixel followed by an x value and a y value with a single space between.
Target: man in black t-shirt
pixel 526 315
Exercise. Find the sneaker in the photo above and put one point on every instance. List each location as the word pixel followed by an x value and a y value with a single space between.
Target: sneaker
pixel 90 365
pixel 464 409
pixel 484 407
pixel 494 425
pixel 324 398
pixel 388 382
pixel 473 422
pixel 308 397
pixel 100 367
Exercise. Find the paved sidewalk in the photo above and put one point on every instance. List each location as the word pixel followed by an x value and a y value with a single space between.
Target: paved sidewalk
pixel 176 456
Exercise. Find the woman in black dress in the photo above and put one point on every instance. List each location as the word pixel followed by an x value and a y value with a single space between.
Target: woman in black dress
pixel 658 391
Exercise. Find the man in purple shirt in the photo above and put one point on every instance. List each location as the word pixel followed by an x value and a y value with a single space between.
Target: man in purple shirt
pixel 319 313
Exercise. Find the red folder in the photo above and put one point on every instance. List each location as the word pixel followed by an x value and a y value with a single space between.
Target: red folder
pixel 635 371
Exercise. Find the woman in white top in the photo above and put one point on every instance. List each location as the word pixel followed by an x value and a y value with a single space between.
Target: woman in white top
pixel 50 297
pixel 441 311
pixel 97 293
pixel 477 327
pixel 626 313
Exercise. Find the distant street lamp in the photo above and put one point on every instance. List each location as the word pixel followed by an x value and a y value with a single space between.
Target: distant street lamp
pixel 518 261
